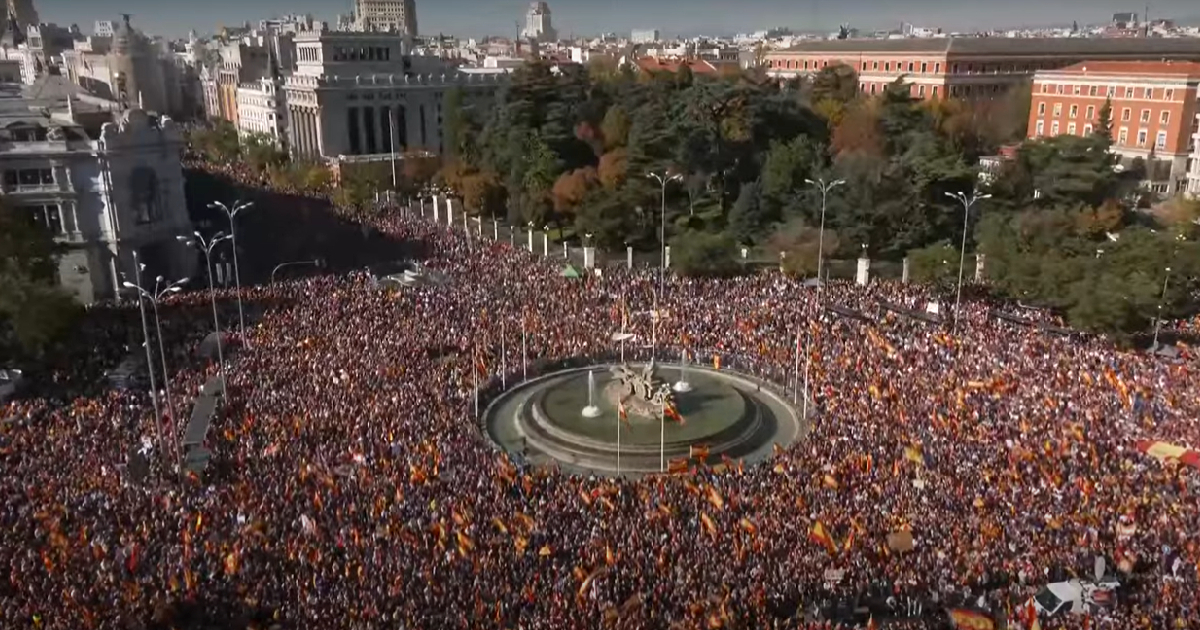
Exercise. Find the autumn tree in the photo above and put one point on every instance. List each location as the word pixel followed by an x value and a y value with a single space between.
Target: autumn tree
pixel 571 188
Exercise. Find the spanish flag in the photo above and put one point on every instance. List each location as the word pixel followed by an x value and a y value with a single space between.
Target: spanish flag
pixel 622 413
pixel 819 536
pixel 671 412
pixel 971 620
pixel 913 454
pixel 716 362
pixel 708 523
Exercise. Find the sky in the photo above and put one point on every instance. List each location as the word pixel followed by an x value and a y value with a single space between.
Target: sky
pixel 473 18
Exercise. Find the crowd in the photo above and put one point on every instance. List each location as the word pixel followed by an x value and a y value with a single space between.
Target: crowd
pixel 351 487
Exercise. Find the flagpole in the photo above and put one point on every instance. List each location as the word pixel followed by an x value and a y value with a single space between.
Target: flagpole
pixel 475 381
pixel 619 409
pixel 392 144
pixel 503 359
pixel 807 362
pixel 796 371
pixel 524 367
pixel 662 436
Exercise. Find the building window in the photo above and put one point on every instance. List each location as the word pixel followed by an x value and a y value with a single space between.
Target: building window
pixel 887 66
pixel 1057 110
pixel 872 88
pixel 1123 136
pixel 1142 135
pixel 1128 92
pixel 921 91
pixel 1169 94
pixel 1041 109
pixel 1112 91
pixel 1074 111
pixel 1059 88
pixel 864 65
pixel 1126 114
pixel 937 68
pixel 352 128
pixel 1160 142
pixel 874 65
pixel 1054 128
pixel 1041 128
pixel 1078 90
pixel 1165 117
pixel 910 66
pixel 48 216
pixel 935 91
pixel 1092 91
pixel 924 67
pixel 1145 116
pixel 1071 129
pixel 1091 112
pixel 1087 130
pixel 1149 93
pixel 1047 88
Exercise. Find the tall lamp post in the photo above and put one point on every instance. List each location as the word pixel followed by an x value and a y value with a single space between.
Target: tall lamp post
pixel 154 297
pixel 1158 317
pixel 149 357
pixel 823 186
pixel 237 276
pixel 662 180
pixel 966 202
pixel 206 247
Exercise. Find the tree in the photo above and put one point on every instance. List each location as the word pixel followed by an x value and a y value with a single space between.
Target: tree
pixel 936 264
pixel 748 220
pixel 801 246
pixel 700 254
pixel 483 194
pixel 454 122
pixel 570 189
pixel 858 131
pixel 614 167
pixel 34 310
pixel 261 152
pixel 838 83
pixel 1103 128
pixel 615 128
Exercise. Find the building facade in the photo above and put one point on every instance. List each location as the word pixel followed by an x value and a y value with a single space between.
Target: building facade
pixel 1154 108
pixel 361 94
pixel 538 24
pixel 1193 174
pixel 23 12
pixel 645 36
pixel 396 16
pixel 261 109
pixel 104 189
pixel 965 67
pixel 130 69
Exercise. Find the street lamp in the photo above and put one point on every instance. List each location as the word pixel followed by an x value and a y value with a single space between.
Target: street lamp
pixel 662 180
pixel 206 247
pixel 967 202
pixel 823 186
pixel 154 297
pixel 1161 299
pixel 315 263
pixel 237 276
pixel 149 358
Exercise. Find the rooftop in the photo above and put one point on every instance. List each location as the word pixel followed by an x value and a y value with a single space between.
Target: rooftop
pixel 1015 46
pixel 1139 68
pixel 654 64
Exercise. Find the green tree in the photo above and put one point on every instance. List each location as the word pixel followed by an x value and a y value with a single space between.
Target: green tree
pixel 1103 128
pixel 34 310
pixel 748 221
pixel 701 254
pixel 936 264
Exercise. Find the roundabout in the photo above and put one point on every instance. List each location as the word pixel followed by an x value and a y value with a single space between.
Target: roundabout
pixel 641 418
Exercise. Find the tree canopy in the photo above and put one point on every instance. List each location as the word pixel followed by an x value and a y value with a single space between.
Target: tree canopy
pixel 34 310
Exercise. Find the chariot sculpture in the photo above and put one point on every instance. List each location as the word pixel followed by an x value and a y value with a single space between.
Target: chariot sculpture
pixel 644 386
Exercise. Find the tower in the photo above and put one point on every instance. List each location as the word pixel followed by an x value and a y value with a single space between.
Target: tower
pixel 386 15
pixel 538 24
pixel 23 12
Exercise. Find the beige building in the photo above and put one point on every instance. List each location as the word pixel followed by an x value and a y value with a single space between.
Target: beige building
pixel 396 16
pixel 105 183
pixel 128 68
pixel 363 94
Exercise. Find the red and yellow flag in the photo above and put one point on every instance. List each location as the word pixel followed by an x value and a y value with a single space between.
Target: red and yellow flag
pixel 819 535
pixel 671 412
pixel 971 620
pixel 622 413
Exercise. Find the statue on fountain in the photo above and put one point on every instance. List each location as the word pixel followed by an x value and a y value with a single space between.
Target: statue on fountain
pixel 646 392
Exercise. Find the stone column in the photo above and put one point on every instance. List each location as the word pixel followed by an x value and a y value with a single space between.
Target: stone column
pixel 904 271
pixel 589 257
pixel 629 256
pixel 437 214
pixel 667 256
pixel 864 271
pixel 531 240
pixel 545 243
pixel 449 211
pixel 979 267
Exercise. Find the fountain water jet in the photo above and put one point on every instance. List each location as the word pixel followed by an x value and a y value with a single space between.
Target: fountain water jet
pixel 591 410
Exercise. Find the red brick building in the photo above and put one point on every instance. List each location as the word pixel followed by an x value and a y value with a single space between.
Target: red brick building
pixel 1154 112
pixel 967 67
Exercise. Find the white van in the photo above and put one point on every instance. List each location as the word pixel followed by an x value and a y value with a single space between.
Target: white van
pixel 1075 597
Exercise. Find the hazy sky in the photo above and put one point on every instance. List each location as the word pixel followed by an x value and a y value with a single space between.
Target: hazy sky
pixel 497 17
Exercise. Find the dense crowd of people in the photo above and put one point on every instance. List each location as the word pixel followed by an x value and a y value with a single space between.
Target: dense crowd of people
pixel 350 485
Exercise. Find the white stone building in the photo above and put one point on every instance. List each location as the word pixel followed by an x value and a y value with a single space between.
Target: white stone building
pixel 398 16
pixel 261 110
pixel 103 187
pixel 351 89
pixel 538 25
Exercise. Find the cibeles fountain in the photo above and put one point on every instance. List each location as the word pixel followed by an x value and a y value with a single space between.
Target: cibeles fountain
pixel 639 418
